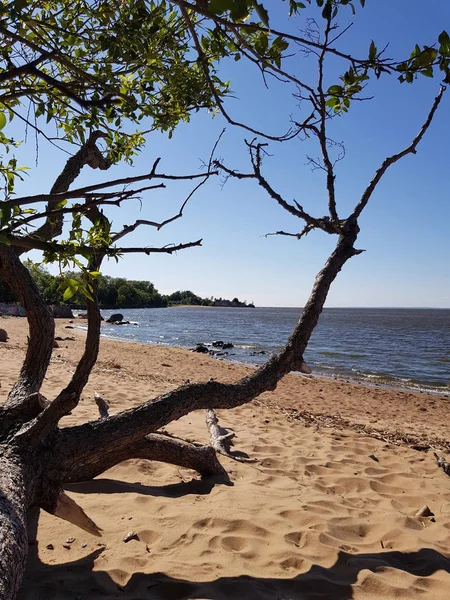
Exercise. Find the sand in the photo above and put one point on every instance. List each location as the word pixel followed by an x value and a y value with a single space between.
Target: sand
pixel 327 511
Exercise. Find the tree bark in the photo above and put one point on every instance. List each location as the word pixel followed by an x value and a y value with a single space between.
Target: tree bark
pixel 13 529
pixel 157 447
pixel 21 405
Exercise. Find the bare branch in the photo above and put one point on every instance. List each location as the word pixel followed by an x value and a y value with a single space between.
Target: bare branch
pixel 130 228
pixel 156 447
pixel 255 151
pixel 81 192
pixel 411 149
pixel 98 199
pixel 127 427
pixel 304 231
pixel 321 130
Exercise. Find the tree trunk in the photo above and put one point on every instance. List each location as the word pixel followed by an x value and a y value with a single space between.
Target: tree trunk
pixel 13 528
pixel 22 403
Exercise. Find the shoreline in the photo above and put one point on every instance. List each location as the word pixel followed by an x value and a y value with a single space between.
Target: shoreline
pixel 352 400
pixel 426 389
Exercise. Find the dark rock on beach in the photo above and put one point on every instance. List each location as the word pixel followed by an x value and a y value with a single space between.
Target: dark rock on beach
pixel 200 348
pixel 3 335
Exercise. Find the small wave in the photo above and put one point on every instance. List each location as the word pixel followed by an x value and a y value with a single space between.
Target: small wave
pixel 248 346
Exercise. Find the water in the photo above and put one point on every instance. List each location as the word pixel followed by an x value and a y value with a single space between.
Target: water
pixel 409 348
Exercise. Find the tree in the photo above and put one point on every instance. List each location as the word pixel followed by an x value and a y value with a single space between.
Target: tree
pixel 159 64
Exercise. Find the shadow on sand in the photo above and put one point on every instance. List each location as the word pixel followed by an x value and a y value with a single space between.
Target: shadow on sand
pixel 79 580
pixel 173 490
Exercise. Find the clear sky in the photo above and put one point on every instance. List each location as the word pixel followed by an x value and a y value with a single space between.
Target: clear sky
pixel 405 229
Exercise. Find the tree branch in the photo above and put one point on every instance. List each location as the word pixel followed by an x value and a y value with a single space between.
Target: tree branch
pixel 118 431
pixel 99 199
pixel 90 251
pixel 322 132
pixel 88 154
pixel 81 192
pixel 156 447
pixel 411 149
pixel 297 210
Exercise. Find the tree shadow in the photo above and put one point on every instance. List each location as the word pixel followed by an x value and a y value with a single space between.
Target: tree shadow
pixel 78 579
pixel 196 487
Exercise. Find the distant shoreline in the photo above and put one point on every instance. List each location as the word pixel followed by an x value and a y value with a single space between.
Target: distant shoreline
pixel 202 306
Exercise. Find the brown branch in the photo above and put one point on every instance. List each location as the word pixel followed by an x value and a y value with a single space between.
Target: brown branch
pixel 99 199
pixel 16 72
pixel 411 149
pixel 81 192
pixel 155 447
pixel 69 397
pixel 297 210
pixel 304 231
pixel 130 228
pixel 88 154
pixel 119 431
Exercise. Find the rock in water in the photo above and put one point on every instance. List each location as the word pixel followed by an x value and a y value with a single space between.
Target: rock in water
pixel 114 318
pixel 200 348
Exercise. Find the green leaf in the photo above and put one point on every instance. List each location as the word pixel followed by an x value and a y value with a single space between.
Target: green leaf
pixel 335 90
pixel 372 51
pixel 72 289
pixel 217 7
pixel 2 120
pixel 262 14
pixel 326 13
pixel 331 102
pixel 240 10
pixel 444 41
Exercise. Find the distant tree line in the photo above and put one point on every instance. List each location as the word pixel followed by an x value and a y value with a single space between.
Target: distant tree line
pixel 113 292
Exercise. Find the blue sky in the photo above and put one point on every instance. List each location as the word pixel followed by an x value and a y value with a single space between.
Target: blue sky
pixel 404 230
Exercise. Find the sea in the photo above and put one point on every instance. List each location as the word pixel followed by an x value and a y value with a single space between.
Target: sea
pixel 394 347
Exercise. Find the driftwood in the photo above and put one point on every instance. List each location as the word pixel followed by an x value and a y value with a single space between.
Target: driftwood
pixel 442 463
pixel 222 440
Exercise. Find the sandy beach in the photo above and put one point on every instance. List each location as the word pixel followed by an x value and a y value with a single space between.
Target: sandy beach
pixel 327 510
